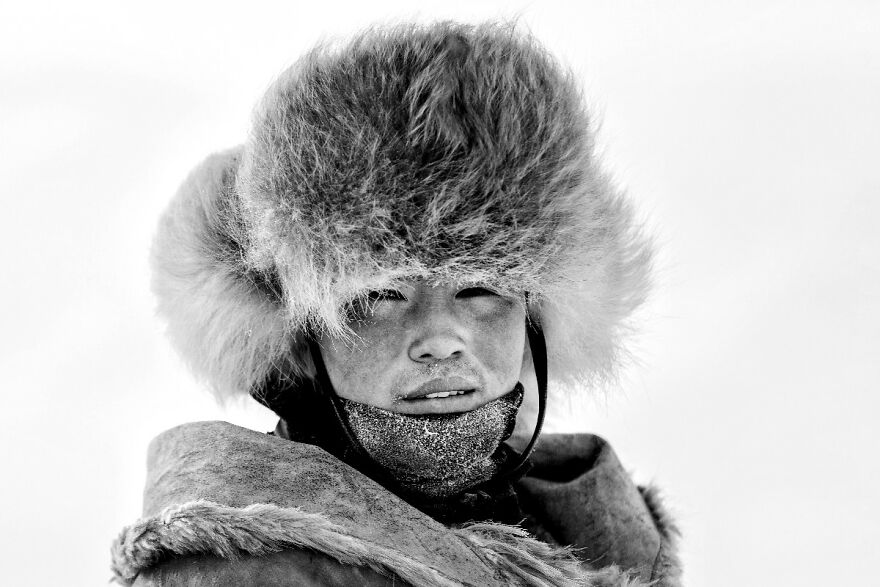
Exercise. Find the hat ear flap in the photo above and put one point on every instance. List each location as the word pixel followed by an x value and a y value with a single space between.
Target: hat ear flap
pixel 226 319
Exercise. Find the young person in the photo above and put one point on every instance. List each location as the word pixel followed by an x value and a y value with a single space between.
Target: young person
pixel 415 237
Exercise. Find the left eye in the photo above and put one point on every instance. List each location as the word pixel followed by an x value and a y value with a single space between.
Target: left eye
pixel 365 306
pixel 386 295
pixel 473 292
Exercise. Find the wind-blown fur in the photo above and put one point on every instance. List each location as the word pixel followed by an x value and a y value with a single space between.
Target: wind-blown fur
pixel 206 528
pixel 449 152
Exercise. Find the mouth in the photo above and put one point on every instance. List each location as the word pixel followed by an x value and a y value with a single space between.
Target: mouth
pixel 441 387
pixel 442 395
pixel 448 393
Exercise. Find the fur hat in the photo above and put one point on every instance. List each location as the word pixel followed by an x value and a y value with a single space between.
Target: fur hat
pixel 450 152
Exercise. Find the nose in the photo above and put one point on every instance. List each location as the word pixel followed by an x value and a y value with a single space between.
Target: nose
pixel 438 335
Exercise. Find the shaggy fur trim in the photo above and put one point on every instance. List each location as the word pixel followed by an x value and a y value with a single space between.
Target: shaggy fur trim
pixel 448 152
pixel 225 318
pixel 204 527
pixel 536 563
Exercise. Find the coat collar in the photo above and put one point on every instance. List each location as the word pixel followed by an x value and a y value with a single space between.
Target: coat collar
pixel 213 487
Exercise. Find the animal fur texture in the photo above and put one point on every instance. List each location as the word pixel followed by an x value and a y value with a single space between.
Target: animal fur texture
pixel 206 528
pixel 449 152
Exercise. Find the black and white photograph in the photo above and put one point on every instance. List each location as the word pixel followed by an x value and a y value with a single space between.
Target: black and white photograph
pixel 440 294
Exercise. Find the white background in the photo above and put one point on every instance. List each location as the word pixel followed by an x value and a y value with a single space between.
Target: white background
pixel 747 134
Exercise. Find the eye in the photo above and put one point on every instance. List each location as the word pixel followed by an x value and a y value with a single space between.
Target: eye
pixel 366 306
pixel 474 292
pixel 386 295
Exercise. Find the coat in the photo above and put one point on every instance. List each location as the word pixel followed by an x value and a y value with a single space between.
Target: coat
pixel 224 505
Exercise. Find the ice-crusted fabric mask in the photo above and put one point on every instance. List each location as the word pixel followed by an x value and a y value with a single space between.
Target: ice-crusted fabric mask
pixel 436 455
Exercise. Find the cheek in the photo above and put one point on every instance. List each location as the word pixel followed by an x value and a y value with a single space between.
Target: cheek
pixel 499 346
pixel 359 370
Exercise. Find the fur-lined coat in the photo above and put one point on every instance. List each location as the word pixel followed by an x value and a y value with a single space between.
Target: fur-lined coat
pixel 229 506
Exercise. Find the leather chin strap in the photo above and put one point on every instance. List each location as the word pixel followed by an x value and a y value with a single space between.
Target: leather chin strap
pixel 513 470
pixel 538 346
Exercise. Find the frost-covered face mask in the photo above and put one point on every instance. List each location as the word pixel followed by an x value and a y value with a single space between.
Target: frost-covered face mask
pixel 436 455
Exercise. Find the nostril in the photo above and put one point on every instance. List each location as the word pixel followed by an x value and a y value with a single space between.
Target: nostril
pixel 435 356
pixel 436 353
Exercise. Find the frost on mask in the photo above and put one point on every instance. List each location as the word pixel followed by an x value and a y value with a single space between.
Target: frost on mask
pixel 436 455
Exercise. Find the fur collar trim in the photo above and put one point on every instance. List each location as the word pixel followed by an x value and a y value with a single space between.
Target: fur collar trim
pixel 500 555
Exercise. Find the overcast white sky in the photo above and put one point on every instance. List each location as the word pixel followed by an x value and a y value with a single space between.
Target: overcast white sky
pixel 748 134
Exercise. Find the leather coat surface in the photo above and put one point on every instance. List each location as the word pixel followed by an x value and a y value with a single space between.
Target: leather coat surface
pixel 224 505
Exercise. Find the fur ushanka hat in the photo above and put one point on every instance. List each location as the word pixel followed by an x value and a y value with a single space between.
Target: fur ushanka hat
pixel 450 152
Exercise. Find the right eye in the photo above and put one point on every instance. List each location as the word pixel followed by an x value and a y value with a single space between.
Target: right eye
pixel 475 292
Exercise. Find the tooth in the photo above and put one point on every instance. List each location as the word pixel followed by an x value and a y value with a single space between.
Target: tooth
pixel 438 394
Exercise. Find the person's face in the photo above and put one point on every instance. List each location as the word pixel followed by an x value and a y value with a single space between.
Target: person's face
pixel 426 349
